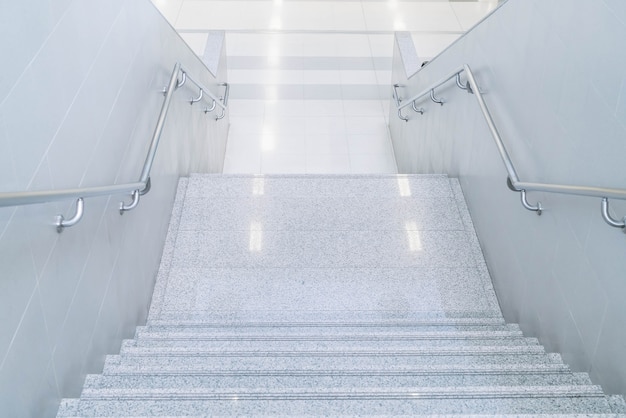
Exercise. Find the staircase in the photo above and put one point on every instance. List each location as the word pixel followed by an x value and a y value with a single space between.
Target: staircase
pixel 329 295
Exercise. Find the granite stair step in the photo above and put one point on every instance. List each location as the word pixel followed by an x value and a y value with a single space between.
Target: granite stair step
pixel 250 379
pixel 173 316
pixel 321 360
pixel 343 328
pixel 334 319
pixel 114 369
pixel 418 400
pixel 347 330
pixel 73 414
pixel 339 351
pixel 325 342
pixel 201 186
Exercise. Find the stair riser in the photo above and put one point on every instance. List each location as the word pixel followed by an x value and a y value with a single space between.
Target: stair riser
pixel 317 362
pixel 342 407
pixel 395 315
pixel 303 329
pixel 130 351
pixel 363 381
pixel 428 187
pixel 322 345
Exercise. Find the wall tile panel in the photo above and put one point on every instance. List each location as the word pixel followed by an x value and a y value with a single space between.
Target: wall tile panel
pixel 19 280
pixel 20 394
pixel 553 77
pixel 80 108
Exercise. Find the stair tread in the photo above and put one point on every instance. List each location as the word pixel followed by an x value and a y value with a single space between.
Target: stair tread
pixel 304 380
pixel 553 415
pixel 417 351
pixel 420 369
pixel 317 393
pixel 434 320
pixel 344 405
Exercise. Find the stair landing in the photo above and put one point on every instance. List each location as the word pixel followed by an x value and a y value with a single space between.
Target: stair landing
pixel 295 248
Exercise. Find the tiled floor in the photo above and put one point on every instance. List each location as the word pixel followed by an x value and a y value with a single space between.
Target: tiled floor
pixel 310 80
pixel 282 247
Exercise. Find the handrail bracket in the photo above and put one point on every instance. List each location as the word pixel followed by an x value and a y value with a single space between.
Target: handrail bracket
pixel 197 99
pixel 183 80
pixel 419 110
pixel 534 208
pixel 609 219
pixel 467 86
pixel 210 109
pixel 61 223
pixel 396 98
pixel 435 99
pixel 224 100
pixel 132 205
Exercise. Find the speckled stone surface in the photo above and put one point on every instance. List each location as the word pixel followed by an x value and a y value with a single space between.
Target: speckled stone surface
pixel 351 403
pixel 330 379
pixel 328 296
pixel 408 53
pixel 323 213
pixel 320 341
pixel 432 186
pixel 168 251
pixel 618 404
pixel 392 292
pixel 68 407
pixel 213 51
pixel 343 360
pixel 344 323
pixel 326 243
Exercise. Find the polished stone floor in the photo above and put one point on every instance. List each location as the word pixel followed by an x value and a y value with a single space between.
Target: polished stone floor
pixel 311 80
pixel 380 246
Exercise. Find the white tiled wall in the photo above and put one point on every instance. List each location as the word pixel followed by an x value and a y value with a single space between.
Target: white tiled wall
pixel 554 76
pixel 79 99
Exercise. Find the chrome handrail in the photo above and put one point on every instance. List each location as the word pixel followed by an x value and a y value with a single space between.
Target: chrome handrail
pixel 513 179
pixel 137 188
pixel 158 129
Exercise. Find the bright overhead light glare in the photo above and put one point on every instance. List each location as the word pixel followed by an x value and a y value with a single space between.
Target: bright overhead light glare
pixel 399 25
pixel 413 235
pixel 258 186
pixel 276 23
pixel 404 186
pixel 256 236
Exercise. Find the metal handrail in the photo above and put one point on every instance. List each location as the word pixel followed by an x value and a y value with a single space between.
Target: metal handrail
pixel 513 179
pixel 137 188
